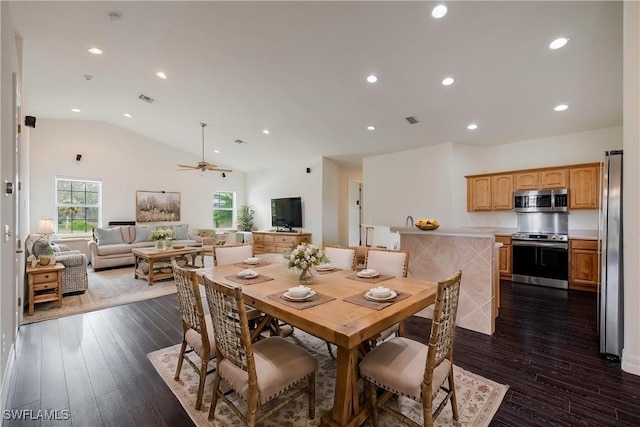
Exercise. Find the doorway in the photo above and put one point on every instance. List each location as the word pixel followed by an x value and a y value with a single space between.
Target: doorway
pixel 354 214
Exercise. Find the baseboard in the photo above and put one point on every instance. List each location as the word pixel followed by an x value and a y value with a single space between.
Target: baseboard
pixel 630 363
pixel 7 378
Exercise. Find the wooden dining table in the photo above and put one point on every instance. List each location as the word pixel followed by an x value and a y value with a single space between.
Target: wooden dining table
pixel 343 323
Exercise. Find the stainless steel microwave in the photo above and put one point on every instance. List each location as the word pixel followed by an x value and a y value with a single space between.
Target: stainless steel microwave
pixel 552 200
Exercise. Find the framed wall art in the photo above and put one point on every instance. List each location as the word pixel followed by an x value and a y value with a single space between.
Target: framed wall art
pixel 153 206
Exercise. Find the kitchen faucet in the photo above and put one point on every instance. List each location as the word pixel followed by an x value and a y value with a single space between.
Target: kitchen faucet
pixel 409 221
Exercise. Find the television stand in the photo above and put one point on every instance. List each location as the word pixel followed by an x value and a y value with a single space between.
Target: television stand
pixel 277 242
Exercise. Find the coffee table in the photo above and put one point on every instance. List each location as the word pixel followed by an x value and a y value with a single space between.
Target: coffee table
pixel 160 261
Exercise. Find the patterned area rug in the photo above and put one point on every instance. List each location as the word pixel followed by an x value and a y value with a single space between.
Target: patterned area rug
pixel 107 288
pixel 478 397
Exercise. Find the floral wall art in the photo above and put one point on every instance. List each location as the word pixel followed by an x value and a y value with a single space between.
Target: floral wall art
pixel 152 206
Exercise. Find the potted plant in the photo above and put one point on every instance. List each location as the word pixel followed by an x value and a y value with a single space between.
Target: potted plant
pixel 47 256
pixel 245 218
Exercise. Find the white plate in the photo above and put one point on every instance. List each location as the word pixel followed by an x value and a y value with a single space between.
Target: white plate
pixel 372 298
pixel 247 276
pixel 324 267
pixel 304 298
pixel 246 261
pixel 368 275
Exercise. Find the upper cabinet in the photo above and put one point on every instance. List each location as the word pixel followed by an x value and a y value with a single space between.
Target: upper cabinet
pixel 494 192
pixel 584 187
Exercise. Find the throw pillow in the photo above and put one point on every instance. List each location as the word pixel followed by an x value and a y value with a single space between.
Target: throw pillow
pixel 182 232
pixel 108 236
pixel 38 247
pixel 142 234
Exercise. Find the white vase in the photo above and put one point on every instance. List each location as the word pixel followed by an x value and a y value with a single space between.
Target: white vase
pixel 161 245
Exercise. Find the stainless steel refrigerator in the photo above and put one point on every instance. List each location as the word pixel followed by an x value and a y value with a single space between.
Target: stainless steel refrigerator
pixel 610 298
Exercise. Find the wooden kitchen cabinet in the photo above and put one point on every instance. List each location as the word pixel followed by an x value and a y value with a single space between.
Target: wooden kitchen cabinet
pixel 584 187
pixel 502 192
pixel 541 179
pixel 584 263
pixel 529 180
pixel 504 257
pixel 479 193
pixel 276 242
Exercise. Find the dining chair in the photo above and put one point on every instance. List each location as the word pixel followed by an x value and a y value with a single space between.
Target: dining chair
pixel 392 262
pixel 341 257
pixel 257 372
pixel 409 368
pixel 231 254
pixel 196 326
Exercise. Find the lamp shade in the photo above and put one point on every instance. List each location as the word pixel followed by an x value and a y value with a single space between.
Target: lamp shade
pixel 45 226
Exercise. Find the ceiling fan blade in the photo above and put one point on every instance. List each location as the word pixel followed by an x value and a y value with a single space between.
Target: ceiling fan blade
pixel 187 167
pixel 215 168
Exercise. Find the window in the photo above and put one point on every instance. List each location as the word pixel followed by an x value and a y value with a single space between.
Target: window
pixel 78 203
pixel 223 208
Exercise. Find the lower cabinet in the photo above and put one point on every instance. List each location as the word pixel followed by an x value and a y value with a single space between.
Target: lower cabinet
pixel 504 257
pixel 275 242
pixel 584 262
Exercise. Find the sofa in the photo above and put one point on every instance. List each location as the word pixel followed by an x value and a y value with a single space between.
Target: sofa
pixel 74 275
pixel 111 246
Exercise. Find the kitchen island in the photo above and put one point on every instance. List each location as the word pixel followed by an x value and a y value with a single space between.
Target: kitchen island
pixel 437 254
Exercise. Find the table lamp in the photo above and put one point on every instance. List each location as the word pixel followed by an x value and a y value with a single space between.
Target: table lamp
pixel 45 227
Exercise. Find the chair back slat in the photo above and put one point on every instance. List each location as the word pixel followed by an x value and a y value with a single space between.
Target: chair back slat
pixel 388 261
pixel 189 298
pixel 443 325
pixel 231 328
pixel 340 257
pixel 231 254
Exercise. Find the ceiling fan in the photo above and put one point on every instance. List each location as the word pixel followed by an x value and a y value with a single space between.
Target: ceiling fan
pixel 203 165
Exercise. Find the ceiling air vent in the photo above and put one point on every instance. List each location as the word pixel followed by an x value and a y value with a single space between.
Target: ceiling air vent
pixel 146 98
pixel 412 120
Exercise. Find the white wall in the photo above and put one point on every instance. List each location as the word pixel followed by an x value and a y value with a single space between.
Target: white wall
pixel 631 178
pixel 429 182
pixel 331 190
pixel 125 162
pixel 290 181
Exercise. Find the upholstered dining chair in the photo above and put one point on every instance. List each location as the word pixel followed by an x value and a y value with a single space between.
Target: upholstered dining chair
pixel 196 326
pixel 341 257
pixel 409 368
pixel 258 372
pixel 394 263
pixel 230 254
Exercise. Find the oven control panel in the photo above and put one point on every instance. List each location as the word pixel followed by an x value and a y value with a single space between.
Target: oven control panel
pixel 542 237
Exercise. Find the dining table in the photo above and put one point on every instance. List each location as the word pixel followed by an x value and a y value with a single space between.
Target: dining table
pixel 337 313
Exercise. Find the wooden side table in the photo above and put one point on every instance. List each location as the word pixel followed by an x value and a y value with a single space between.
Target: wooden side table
pixel 45 284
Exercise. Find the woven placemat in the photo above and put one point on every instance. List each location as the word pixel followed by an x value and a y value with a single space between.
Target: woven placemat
pixel 317 299
pixel 262 263
pixel 359 299
pixel 241 280
pixel 333 270
pixel 379 278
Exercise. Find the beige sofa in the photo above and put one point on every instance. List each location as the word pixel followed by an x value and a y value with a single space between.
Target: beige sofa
pixel 111 246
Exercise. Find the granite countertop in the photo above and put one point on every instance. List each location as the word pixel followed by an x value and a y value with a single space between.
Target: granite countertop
pixel 458 232
pixel 583 234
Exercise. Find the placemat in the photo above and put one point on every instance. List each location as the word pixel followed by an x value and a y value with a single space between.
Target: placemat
pixel 333 270
pixel 359 299
pixel 262 263
pixel 301 305
pixel 379 278
pixel 241 280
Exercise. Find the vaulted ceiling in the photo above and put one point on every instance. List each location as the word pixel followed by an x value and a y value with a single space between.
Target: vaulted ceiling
pixel 299 70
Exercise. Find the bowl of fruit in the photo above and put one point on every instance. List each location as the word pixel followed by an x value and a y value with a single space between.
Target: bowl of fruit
pixel 427 224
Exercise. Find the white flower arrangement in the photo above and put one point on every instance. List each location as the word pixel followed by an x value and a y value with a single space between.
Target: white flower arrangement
pixel 304 256
pixel 167 234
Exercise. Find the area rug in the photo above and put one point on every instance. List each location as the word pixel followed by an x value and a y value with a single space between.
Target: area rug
pixel 478 397
pixel 107 288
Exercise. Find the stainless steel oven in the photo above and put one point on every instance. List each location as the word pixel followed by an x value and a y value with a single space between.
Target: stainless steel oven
pixel 541 250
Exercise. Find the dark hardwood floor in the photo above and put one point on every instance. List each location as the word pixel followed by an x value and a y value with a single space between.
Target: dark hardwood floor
pixel 545 348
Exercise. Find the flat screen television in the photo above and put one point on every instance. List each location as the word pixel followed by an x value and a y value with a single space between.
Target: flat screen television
pixel 286 212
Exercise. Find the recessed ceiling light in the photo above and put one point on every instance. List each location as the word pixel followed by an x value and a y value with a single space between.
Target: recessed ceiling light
pixel 266 131
pixel 448 81
pixel 371 127
pixel 95 51
pixel 216 151
pixel 472 126
pixel 75 110
pixel 561 107
pixel 439 11
pixel 127 115
pixel 558 43
pixel 162 75
pixel 372 78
